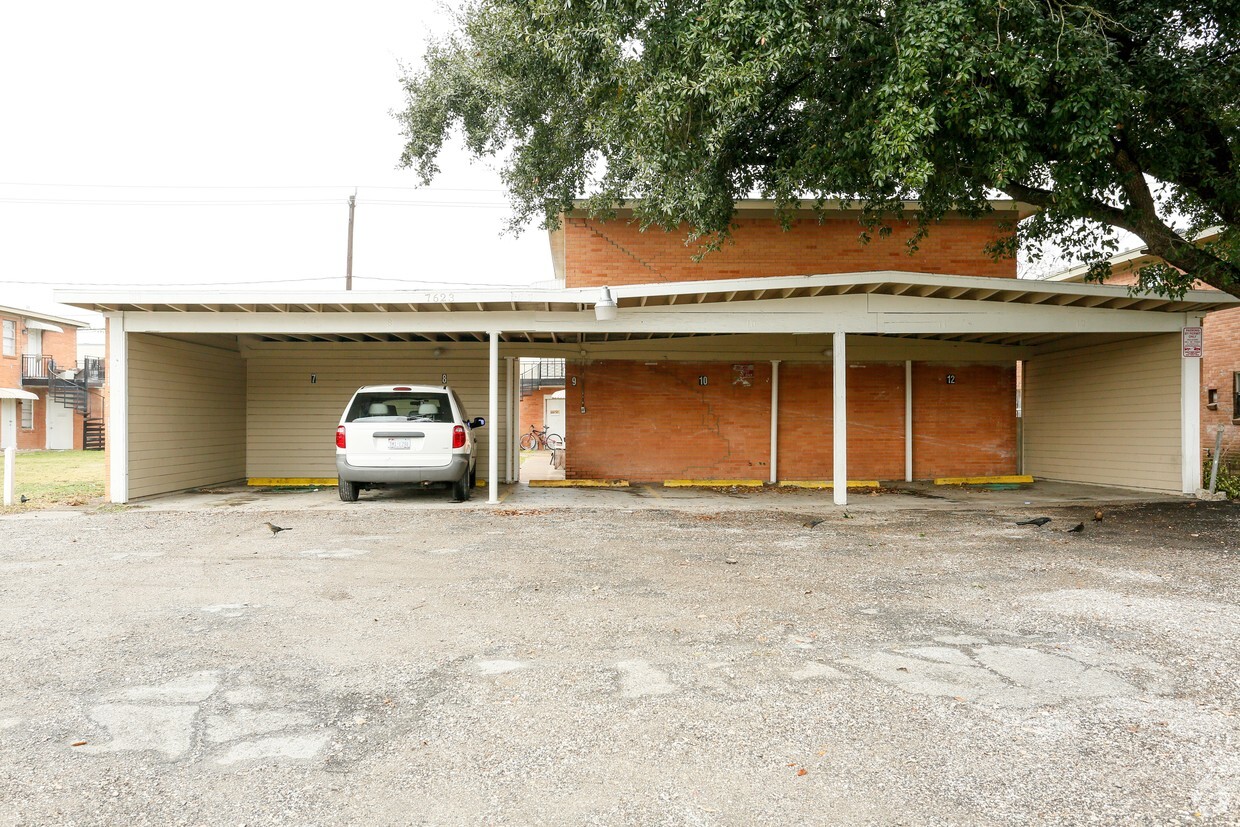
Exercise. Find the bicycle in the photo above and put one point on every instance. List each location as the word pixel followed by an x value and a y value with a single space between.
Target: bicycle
pixel 537 440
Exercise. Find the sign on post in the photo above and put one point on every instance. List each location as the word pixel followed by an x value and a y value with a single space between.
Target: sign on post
pixel 1192 343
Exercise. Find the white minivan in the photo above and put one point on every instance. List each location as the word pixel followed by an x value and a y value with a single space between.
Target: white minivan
pixel 406 434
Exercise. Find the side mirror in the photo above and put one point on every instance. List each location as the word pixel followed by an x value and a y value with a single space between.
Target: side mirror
pixel 477 422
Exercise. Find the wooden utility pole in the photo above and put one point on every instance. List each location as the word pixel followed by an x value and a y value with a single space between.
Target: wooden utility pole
pixel 348 272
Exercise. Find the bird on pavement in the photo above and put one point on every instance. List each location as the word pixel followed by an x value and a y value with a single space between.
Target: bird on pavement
pixel 275 529
pixel 1038 521
pixel 1076 529
pixel 1098 515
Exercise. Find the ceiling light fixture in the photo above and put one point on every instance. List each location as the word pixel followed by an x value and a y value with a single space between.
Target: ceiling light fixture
pixel 605 307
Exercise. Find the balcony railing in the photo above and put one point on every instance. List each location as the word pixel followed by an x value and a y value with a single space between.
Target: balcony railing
pixel 538 373
pixel 37 370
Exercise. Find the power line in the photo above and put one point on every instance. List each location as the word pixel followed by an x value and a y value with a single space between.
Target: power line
pixel 245 187
pixel 284 202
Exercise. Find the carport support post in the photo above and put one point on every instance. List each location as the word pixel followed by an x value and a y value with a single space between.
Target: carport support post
pixel 774 420
pixel 493 422
pixel 118 409
pixel 839 421
pixel 1190 416
pixel 908 421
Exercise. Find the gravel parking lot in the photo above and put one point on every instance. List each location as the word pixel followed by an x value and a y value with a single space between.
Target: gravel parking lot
pixel 404 661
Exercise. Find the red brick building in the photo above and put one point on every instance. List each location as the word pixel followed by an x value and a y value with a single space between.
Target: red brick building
pixel 804 357
pixel 656 420
pixel 47 397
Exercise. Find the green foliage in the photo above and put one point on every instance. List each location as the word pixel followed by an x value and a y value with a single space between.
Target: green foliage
pixel 686 106
pixel 1228 478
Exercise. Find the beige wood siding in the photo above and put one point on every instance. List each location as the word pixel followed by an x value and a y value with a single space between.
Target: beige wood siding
pixel 292 421
pixel 186 415
pixel 1105 413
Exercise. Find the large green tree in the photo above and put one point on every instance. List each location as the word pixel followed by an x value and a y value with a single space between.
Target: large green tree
pixel 1107 115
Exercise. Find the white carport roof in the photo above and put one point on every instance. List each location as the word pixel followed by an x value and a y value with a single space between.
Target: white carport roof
pixel 903 303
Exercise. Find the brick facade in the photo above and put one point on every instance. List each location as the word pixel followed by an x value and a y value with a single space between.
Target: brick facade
pixel 617 252
pixel 647 422
pixel 62 347
pixel 1219 365
pixel 692 420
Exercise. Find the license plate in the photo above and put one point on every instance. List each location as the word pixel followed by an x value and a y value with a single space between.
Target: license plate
pixel 399 443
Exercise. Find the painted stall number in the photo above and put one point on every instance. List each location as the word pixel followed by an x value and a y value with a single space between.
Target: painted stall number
pixel 444 378
pixel 702 380
pixel 951 378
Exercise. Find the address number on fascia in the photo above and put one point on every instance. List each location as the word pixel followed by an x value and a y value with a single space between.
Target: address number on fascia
pixel 439 298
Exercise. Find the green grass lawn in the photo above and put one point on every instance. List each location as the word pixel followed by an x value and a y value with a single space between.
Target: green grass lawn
pixel 57 478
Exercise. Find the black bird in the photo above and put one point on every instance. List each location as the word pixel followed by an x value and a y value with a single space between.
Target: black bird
pixel 1038 521
pixel 1076 529
pixel 275 529
pixel 25 499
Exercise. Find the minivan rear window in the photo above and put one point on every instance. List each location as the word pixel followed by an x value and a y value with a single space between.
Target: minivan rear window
pixel 400 406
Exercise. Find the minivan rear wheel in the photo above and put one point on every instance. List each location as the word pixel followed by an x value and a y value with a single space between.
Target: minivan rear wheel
pixel 349 490
pixel 460 488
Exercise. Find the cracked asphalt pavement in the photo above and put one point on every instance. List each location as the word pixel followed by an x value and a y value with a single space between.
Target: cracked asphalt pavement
pixel 610 665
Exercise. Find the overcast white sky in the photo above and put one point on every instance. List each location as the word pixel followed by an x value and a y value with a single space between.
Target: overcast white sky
pixel 173 144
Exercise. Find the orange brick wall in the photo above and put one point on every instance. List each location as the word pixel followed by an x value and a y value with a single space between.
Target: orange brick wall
pixel 654 422
pixel 967 428
pixel 616 252
pixel 875 421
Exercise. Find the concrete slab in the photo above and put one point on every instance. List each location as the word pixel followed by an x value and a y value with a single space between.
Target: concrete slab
pixel 888 497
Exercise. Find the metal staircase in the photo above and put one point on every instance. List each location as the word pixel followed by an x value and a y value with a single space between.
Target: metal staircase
pixel 71 388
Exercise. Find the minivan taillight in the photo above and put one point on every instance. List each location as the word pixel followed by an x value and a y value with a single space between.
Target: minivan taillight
pixel 458 436
pixel 340 437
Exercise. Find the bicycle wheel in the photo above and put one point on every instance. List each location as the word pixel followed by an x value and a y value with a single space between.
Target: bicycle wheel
pixel 555 442
pixel 529 442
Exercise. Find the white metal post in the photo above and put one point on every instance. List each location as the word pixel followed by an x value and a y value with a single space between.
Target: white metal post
pixel 839 403
pixel 908 421
pixel 118 408
pixel 1190 416
pixel 774 420
pixel 512 397
pixel 493 432
pixel 10 459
